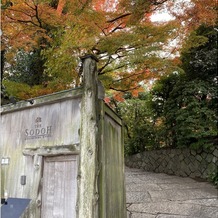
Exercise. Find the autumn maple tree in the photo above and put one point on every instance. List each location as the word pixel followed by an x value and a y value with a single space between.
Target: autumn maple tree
pixel 61 31
pixel 120 33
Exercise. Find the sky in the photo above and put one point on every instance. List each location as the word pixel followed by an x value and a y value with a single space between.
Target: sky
pixel 161 17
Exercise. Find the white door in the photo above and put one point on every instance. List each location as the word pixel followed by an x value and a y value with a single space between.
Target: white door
pixel 59 187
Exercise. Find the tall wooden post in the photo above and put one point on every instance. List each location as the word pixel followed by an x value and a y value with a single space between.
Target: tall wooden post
pixel 87 201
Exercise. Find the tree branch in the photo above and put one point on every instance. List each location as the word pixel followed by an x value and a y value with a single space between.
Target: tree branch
pixel 101 29
pixel 117 18
pixel 116 68
pixel 23 21
pixel 159 2
pixel 106 64
pixel 20 11
pixel 127 77
pixel 118 27
pixel 124 90
pixel 29 5
pixel 37 16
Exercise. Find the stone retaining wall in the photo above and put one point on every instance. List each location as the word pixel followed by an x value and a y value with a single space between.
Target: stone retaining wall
pixel 182 162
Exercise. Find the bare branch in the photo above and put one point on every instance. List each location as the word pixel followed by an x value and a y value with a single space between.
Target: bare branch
pixel 23 21
pixel 101 29
pixel 37 16
pixel 117 18
pixel 116 68
pixel 124 90
pixel 26 3
pixel 20 11
pixel 127 77
pixel 159 2
pixel 118 27
pixel 106 64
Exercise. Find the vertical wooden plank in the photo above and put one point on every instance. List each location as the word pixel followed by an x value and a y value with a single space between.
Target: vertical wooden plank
pixel 111 180
pixel 87 202
pixel 48 189
pixel 59 190
pixel 59 187
pixel 101 159
pixel 70 189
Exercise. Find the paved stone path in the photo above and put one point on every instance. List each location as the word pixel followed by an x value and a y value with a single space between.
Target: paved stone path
pixel 157 195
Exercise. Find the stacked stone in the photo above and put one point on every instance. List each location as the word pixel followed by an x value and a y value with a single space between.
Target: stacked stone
pixel 182 162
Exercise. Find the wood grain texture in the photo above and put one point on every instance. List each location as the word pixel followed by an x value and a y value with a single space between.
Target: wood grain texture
pixel 60 111
pixel 59 187
pixel 62 117
pixel 88 166
pixel 75 143
pixel 111 156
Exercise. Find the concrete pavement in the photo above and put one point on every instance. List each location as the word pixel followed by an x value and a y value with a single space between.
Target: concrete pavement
pixel 157 195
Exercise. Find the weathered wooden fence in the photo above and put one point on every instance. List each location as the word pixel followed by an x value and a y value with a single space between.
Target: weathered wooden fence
pixel 64 152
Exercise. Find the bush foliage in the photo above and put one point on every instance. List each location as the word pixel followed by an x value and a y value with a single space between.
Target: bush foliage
pixel 181 109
